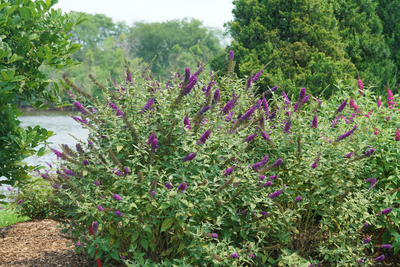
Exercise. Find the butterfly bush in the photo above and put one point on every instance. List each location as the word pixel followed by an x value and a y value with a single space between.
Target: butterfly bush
pixel 183 177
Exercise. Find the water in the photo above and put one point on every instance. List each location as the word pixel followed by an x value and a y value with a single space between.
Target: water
pixel 61 124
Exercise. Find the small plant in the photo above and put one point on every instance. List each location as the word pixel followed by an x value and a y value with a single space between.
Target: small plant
pixel 172 174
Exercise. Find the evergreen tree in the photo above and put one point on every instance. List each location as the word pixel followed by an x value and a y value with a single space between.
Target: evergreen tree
pixel 299 38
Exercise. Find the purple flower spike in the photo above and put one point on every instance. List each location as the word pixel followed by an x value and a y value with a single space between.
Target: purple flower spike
pixel 192 83
pixel 252 256
pixel 264 213
pixel 231 55
pixel 182 187
pixel 94 225
pixel 386 211
pixel 285 98
pixel 341 107
pixel 305 99
pixel 273 177
pixel 314 123
pixel 366 240
pixel 380 258
pixel 365 225
pixel 369 152
pixel 360 261
pixel 228 171
pixel 116 197
pixel 372 181
pixel 78 244
pixel 343 136
pixel 113 106
pixel 96 182
pixel 228 106
pixel 189 157
pixel 298 199
pixel 214 235
pixel 204 110
pixel 267 184
pixel 168 185
pixel 250 112
pixel 287 126
pixel 153 193
pixel 151 138
pixel 85 162
pixel 80 107
pixel 187 74
pixel 20 201
pixel 120 114
pixel 217 95
pixel 118 213
pixel 126 170
pixel 44 176
pixel 250 137
pixel 265 106
pixel 235 256
pixel 386 246
pixel 148 105
pixel 68 172
pixel 277 163
pixel 58 153
pixel 348 155
pixel 205 136
pixel 262 177
pixel 275 194
pixel 100 208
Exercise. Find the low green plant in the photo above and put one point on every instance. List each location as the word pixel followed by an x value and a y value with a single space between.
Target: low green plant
pixel 173 175
pixel 8 216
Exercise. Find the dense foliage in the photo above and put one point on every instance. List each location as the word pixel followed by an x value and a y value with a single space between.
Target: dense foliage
pixel 315 43
pixel 32 34
pixel 178 172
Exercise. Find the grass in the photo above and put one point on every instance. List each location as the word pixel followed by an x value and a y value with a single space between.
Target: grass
pixel 9 217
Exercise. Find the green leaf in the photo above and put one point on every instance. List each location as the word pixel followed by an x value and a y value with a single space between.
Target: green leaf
pixel 25 13
pixel 167 224
pixel 48 3
pixel 144 243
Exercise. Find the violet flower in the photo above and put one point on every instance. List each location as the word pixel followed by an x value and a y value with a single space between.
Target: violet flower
pixel 192 83
pixel 365 225
pixel 85 162
pixel 94 225
pixel 262 177
pixel 273 89
pixel 228 171
pixel 20 201
pixel 205 136
pixel 235 256
pixel 343 136
pixel 189 157
pixel 277 163
pixel 151 138
pixel 273 177
pixel 120 114
pixel 341 107
pixel 250 112
pixel 78 244
pixel 269 183
pixel 229 117
pixel 228 106
pixel 265 106
pixel 386 211
pixel 298 199
pixel 250 137
pixel 96 182
pixel 369 152
pixel 217 95
pixel 214 235
pixel 316 162
pixel 256 77
pixel 118 213
pixel 287 126
pixel 314 123
pixel 305 99
pixel 168 185
pixel 187 75
pixel 285 98
pixel 275 194
pixel 182 187
pixel 117 197
pixel 372 181
pixel 348 155
pixel 68 172
pixel 386 246
pixel 204 110
pixel 153 193
pixel 272 115
pixel 360 261
pixel 252 256
pixel 264 213
pixel 80 107
pixel 148 105
pixel 231 54
pixel 366 240
pixel 265 136
pixel 380 258
pixel 100 208
pixel 113 106
pixel 58 153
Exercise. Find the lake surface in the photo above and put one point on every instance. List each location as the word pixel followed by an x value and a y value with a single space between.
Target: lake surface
pixel 61 124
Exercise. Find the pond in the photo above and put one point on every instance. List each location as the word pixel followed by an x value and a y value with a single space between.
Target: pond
pixel 58 121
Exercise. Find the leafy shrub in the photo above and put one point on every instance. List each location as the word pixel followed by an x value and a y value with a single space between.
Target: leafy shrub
pixel 172 174
pixel 35 201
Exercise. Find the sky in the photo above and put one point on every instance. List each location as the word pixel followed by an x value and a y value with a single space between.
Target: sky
pixel 213 13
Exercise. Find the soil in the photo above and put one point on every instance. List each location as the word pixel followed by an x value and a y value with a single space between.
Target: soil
pixel 36 243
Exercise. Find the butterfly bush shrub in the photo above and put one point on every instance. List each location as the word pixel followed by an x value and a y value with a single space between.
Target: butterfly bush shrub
pixel 173 174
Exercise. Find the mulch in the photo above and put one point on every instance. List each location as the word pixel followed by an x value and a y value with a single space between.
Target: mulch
pixel 37 243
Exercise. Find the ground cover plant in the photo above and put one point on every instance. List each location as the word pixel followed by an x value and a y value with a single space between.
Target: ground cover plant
pixel 182 172
pixel 8 216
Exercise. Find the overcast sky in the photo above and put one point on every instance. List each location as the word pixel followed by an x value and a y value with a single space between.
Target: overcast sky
pixel 213 13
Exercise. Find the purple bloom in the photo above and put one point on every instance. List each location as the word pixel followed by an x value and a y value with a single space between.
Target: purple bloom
pixel 247 115
pixel 94 227
pixel 386 211
pixel 80 107
pixel 44 176
pixel 96 182
pixel 148 105
pixel 168 185
pixel 58 153
pixel 369 152
pixel 264 213
pixel 285 98
pixel 287 126
pixel 187 74
pixel 116 197
pixel 250 137
pixel 229 117
pixel 372 181
pixel 316 162
pixel 273 177
pixel 348 155
pixel 231 55
pixel 262 177
pixel 228 171
pixel 189 157
pixel 118 173
pixel 258 104
pixel 228 106
pixel 277 163
pixel 217 95
pixel 153 193
pixel 182 187
pixel 343 136
pixel 20 201
pixel 265 106
pixel 78 244
pixel 341 107
pixel 365 225
pixel 192 82
pixel 126 170
pixel 9 188
pixel 151 138
pixel 205 136
pixel 305 99
pixel 79 148
pixel 272 115
pixel 118 213
pixel 269 183
pixel 265 136
pixel 380 258
pixel 85 162
pixel 314 123
pixel 275 194
pixel 186 121
pixel 68 172
pixel 360 261
pixel 204 110
pixel 214 235
pixel 252 256
pixel 386 246
pixel 120 114
pixel 273 89
pixel 235 256
pixel 366 240
pixel 113 106
pixel 298 199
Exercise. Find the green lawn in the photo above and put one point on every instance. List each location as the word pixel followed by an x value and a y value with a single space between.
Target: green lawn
pixel 8 217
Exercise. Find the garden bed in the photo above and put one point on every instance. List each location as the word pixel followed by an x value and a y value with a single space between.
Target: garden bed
pixel 37 243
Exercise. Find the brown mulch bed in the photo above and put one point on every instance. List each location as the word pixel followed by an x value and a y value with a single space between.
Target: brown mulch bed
pixel 36 243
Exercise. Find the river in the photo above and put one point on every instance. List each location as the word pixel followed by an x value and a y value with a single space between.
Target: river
pixel 58 121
